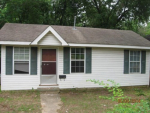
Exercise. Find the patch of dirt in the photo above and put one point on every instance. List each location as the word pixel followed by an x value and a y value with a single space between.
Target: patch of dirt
pixel 88 101
pixel 20 101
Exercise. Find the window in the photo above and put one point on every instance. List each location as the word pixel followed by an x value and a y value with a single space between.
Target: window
pixel 77 60
pixel 21 60
pixel 135 61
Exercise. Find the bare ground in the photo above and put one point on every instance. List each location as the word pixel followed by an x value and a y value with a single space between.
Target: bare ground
pixel 88 101
pixel 20 102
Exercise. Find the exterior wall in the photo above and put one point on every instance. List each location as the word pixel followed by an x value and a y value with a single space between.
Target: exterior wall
pixel 106 64
pixel 17 82
pixel 49 39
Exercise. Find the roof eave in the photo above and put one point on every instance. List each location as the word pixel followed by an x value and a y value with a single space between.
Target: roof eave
pixel 108 46
pixel 14 43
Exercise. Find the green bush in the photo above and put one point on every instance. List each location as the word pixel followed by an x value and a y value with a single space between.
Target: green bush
pixel 139 92
pixel 143 106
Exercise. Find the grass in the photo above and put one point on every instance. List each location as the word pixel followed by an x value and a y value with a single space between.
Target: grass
pixel 74 100
pixel 88 101
pixel 20 101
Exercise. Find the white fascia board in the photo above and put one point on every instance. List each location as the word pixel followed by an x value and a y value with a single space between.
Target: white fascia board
pixel 35 42
pixel 14 43
pixel 107 46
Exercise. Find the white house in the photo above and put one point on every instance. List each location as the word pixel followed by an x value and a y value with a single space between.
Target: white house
pixel 35 56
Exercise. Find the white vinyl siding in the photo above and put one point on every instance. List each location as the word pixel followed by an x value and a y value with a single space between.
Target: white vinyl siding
pixel 19 81
pixel 106 64
pixel 49 39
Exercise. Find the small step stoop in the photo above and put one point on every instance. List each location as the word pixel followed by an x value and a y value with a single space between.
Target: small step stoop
pixel 49 89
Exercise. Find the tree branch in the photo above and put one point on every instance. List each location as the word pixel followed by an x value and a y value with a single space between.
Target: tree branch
pixel 95 2
pixel 123 14
pixel 112 10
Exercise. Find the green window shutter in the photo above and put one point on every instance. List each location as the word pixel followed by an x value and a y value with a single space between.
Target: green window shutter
pixel 88 60
pixel 66 60
pixel 126 61
pixel 143 62
pixel 33 63
pixel 9 60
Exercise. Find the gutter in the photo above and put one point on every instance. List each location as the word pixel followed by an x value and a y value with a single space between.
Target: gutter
pixel 108 46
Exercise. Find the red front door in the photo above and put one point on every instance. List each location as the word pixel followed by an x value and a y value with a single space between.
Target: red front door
pixel 48 71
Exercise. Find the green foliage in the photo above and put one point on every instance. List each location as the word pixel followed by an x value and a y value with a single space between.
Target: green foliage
pixel 148 100
pixel 1 99
pixel 143 106
pixel 113 88
pixel 63 99
pixel 145 30
pixel 27 108
pixel 26 11
pixel 139 92
pixel 114 14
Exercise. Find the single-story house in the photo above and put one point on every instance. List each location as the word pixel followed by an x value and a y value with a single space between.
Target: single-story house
pixel 34 56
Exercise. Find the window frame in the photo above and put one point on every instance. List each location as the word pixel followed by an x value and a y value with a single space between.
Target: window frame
pixel 78 60
pixel 135 61
pixel 20 60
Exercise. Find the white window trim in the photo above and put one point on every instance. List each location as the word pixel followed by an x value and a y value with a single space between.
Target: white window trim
pixel 20 60
pixel 135 61
pixel 78 60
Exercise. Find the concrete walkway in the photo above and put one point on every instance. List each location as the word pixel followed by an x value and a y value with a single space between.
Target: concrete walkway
pixel 50 102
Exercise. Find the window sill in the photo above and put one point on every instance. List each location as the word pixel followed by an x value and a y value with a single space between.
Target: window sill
pixel 78 73
pixel 21 75
pixel 134 73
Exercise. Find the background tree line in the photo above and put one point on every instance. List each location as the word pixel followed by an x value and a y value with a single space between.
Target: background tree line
pixel 112 14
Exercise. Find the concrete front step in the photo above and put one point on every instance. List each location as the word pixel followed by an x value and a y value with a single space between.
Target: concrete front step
pixel 48 88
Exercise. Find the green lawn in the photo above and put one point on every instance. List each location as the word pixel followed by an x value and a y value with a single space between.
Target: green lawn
pixel 20 102
pixel 74 100
pixel 88 101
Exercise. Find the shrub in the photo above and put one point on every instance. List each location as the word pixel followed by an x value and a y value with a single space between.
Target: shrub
pixel 139 92
pixel 142 107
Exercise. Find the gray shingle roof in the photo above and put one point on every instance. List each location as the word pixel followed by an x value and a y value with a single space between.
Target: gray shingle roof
pixel 82 35
pixel 100 36
pixel 21 32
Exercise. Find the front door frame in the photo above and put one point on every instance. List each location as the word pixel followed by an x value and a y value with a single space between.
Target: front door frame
pixel 41 48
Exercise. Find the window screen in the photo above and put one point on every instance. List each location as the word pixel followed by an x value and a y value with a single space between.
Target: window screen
pixel 77 60
pixel 135 61
pixel 21 60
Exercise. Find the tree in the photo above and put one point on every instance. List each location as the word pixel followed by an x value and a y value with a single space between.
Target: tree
pixel 115 13
pixel 3 4
pixel 27 11
pixel 63 12
pixel 112 14
pixel 145 30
